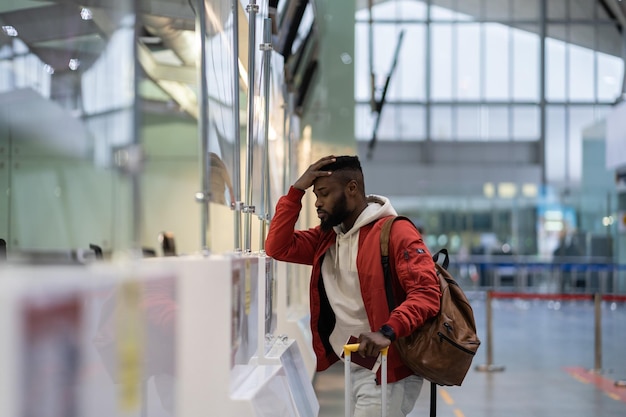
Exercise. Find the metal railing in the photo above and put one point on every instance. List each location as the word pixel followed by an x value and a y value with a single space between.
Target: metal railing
pixel 583 274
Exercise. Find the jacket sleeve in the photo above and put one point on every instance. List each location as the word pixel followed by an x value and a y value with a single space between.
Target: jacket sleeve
pixel 283 243
pixel 412 263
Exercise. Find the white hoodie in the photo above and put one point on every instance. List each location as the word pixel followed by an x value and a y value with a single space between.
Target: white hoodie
pixel 341 278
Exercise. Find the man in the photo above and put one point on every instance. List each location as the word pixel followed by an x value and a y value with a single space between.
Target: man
pixel 347 292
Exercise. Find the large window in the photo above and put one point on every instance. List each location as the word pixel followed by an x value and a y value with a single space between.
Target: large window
pixel 474 71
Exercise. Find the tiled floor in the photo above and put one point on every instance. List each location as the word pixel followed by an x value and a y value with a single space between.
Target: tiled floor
pixel 547 351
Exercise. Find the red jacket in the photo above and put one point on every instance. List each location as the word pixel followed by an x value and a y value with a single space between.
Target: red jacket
pixel 418 292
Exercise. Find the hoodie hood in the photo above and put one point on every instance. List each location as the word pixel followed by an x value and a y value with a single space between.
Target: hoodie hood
pixel 377 208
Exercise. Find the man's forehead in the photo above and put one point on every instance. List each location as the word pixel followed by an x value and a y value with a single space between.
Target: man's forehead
pixel 325 182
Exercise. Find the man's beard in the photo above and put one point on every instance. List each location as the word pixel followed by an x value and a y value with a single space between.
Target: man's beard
pixel 339 214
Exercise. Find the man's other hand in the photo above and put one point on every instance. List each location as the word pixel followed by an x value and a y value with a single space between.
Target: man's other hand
pixel 372 343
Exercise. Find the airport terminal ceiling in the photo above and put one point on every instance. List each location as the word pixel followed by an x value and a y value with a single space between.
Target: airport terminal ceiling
pixel 46 24
pixel 579 10
pixel 180 16
pixel 165 50
pixel 165 19
pixel 500 7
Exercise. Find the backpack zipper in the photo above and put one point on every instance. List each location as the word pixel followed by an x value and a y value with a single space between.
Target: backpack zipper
pixel 453 343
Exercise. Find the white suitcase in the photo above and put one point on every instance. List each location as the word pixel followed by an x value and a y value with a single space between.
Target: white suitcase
pixel 347 353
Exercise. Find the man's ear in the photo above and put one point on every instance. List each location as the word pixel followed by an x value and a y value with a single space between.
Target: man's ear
pixel 352 187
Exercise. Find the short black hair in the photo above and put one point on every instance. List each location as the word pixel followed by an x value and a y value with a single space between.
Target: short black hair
pixel 349 169
pixel 345 162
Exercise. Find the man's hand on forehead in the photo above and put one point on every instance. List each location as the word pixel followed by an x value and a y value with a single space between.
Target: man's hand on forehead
pixel 314 171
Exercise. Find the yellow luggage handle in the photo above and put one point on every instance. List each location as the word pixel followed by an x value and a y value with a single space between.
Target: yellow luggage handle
pixel 353 347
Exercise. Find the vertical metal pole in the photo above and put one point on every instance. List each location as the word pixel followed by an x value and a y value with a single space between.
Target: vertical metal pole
pixel 347 383
pixel 597 302
pixel 489 329
pixel 489 366
pixel 266 48
pixel 292 160
pixel 623 95
pixel 134 151
pixel 596 47
pixel 203 127
pixel 383 384
pixel 135 159
pixel 542 92
pixel 608 212
pixel 252 9
pixel 286 139
pixel 236 205
pixel 426 155
pixel 371 57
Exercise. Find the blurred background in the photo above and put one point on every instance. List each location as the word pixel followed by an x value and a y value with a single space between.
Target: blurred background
pixel 140 129
pixel 495 125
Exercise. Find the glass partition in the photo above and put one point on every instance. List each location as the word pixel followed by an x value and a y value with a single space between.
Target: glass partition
pixel 67 111
pixel 121 128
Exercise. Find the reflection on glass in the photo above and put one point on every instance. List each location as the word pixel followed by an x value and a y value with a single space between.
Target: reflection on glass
pixel 221 185
pixel 80 85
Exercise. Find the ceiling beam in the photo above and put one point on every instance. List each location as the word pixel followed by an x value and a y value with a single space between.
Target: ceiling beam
pixel 618 9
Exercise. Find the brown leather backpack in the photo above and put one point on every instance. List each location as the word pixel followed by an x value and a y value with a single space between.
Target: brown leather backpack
pixel 442 349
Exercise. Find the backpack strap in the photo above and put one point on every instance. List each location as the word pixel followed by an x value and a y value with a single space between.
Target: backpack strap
pixel 384 258
pixel 385 235
pixel 446 258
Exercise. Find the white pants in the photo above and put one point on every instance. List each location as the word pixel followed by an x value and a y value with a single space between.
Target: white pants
pixel 366 394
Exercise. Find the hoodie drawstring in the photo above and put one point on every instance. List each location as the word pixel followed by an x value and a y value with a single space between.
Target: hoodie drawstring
pixel 336 254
